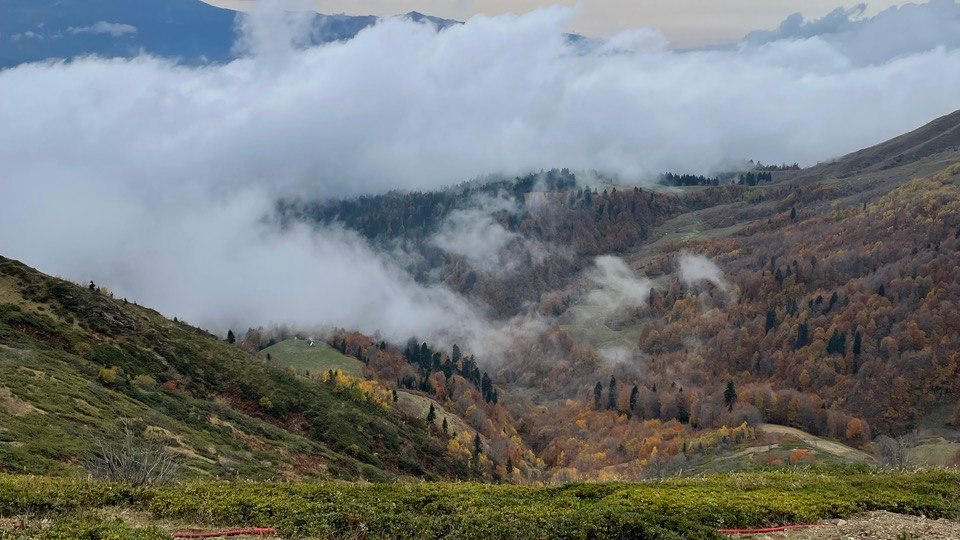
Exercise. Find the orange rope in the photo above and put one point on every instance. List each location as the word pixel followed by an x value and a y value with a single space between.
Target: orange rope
pixel 766 529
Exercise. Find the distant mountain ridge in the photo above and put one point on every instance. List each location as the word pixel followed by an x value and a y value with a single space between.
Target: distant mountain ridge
pixel 189 30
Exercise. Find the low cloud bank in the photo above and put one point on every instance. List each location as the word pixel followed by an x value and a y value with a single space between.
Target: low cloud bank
pixel 158 179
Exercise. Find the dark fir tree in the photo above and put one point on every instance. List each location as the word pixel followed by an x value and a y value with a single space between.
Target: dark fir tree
pixel 446 428
pixel 730 395
pixel 230 337
pixel 486 387
pixel 412 350
pixel 431 414
pixel 837 344
pixel 882 291
pixel 477 446
pixel 683 409
pixel 802 336
pixel 857 343
pixel 612 394
pixel 597 395
pixel 771 321
pixel 655 406
pixel 634 394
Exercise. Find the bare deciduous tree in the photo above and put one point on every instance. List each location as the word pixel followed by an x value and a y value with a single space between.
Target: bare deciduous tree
pixel 134 461
pixel 892 451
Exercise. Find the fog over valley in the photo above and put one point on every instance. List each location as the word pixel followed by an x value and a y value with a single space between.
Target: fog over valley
pixel 160 179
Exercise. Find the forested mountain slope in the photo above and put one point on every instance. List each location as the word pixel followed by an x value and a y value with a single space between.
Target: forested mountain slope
pixel 834 309
pixel 836 314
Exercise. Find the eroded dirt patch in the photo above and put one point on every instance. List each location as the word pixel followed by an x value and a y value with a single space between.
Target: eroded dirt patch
pixel 13 405
pixel 871 525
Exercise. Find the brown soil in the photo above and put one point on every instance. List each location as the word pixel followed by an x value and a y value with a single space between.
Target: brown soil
pixel 871 525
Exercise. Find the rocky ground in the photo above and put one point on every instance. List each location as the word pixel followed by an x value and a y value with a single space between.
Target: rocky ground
pixel 872 525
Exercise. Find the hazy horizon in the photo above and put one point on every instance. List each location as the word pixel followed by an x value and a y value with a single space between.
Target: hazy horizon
pixel 684 23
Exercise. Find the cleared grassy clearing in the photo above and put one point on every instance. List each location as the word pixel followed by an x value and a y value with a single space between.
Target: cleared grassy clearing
pixel 587 325
pixel 418 406
pixel 298 354
pixel 824 445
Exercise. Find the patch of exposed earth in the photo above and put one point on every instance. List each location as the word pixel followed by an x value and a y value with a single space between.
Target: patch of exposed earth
pixel 870 525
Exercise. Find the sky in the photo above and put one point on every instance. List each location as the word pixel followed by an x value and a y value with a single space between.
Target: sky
pixel 159 179
pixel 685 23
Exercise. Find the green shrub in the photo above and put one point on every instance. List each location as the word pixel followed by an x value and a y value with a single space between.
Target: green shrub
pixel 669 509
pixel 88 527
pixel 107 375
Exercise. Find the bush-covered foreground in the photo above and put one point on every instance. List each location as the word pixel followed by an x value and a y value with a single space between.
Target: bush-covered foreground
pixel 675 508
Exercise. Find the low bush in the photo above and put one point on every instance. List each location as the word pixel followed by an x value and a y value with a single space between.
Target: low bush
pixel 676 508
pixel 87 526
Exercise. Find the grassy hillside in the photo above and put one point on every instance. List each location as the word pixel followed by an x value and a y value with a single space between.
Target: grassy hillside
pixel 77 365
pixel 679 508
pixel 418 406
pixel 300 355
pixel 777 447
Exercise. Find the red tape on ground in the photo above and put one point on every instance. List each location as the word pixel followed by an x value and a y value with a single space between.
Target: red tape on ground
pixel 766 529
pixel 261 531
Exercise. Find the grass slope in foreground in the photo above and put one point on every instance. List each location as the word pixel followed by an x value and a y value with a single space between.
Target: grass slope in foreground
pixel 77 364
pixel 676 508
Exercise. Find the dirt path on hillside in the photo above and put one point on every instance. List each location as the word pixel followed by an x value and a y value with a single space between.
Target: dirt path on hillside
pixel 872 526
pixel 831 447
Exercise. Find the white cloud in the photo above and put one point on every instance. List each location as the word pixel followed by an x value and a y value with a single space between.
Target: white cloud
pixel 474 234
pixel 617 355
pixel 892 33
pixel 153 177
pixel 617 286
pixel 696 268
pixel 103 27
